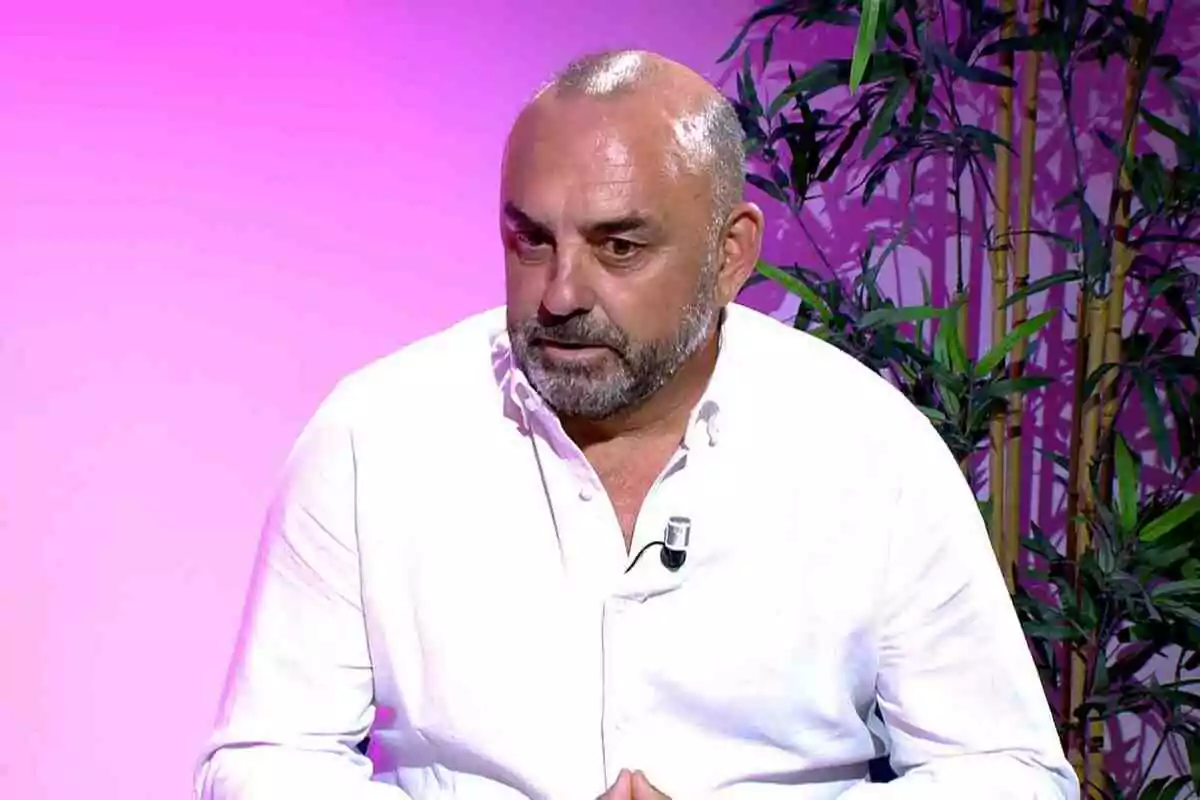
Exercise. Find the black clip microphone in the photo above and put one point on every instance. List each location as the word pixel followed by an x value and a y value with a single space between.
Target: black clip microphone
pixel 674 543
pixel 676 539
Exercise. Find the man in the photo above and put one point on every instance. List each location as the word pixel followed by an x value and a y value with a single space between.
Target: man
pixel 462 560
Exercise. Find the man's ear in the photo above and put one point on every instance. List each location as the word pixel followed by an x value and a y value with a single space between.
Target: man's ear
pixel 741 245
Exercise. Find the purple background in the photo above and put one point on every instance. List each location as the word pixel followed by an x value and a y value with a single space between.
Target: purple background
pixel 210 212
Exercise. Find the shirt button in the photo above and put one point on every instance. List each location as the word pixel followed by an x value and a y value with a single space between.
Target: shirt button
pixel 586 493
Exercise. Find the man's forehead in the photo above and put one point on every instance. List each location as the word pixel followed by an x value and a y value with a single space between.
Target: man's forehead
pixel 597 159
pixel 605 174
pixel 580 146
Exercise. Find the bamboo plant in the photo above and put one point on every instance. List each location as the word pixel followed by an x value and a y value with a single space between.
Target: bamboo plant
pixel 886 115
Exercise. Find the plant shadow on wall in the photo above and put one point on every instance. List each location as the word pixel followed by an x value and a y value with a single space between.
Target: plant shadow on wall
pixel 1033 175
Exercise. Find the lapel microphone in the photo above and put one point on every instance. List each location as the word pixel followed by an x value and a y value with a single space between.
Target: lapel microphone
pixel 676 539
pixel 674 543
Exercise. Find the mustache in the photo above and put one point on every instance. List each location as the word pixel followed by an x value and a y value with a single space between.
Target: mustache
pixel 578 331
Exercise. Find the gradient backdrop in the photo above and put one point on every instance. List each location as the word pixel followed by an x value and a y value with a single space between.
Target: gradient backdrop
pixel 208 213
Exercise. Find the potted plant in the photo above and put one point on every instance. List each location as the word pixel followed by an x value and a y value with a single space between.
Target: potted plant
pixel 976 107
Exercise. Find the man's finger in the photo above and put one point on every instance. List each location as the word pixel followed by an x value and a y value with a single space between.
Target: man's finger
pixel 622 788
pixel 643 789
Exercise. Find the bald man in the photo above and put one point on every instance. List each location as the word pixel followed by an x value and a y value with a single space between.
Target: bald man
pixel 624 537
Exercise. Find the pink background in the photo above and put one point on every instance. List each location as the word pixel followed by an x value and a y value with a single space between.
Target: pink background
pixel 208 213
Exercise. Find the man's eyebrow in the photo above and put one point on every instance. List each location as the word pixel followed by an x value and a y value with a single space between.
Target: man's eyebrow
pixel 520 218
pixel 626 223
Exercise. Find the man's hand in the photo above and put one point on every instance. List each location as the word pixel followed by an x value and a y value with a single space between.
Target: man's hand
pixel 622 788
pixel 632 786
pixel 643 789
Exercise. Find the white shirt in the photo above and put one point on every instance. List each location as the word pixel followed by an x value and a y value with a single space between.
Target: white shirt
pixel 442 569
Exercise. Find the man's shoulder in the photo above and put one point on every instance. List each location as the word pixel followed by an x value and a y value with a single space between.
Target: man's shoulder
pixel 445 368
pixel 807 377
pixel 790 358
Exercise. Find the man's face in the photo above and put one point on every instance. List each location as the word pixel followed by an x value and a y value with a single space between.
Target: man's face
pixel 611 256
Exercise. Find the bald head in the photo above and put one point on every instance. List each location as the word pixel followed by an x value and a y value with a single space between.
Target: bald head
pixel 706 135
pixel 624 231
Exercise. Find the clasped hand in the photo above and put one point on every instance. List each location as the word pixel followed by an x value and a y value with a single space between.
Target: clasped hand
pixel 632 786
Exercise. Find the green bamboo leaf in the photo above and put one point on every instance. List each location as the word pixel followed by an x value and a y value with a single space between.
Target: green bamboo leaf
pixel 997 354
pixel 820 78
pixel 799 169
pixel 1193 752
pixel 1187 145
pixel 985 139
pixel 897 240
pixel 1185 428
pixel 1127 485
pixel 948 349
pixel 1123 156
pixel 1167 787
pixel 796 287
pixel 926 295
pixel 883 117
pixel 1017 44
pixel 949 394
pixel 774 9
pixel 1175 588
pixel 1168 280
pixel 1171 606
pixel 834 161
pixel 864 44
pixel 968 72
pixel 1059 460
pixel 1052 631
pixel 768 46
pixel 933 414
pixel 767 185
pixel 1172 519
pixel 1010 386
pixel 749 88
pixel 1095 254
pixel 897 316
pixel 1042 284
pixel 1093 380
pixel 1156 417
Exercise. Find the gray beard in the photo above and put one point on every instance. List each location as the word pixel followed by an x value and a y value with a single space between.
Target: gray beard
pixel 585 392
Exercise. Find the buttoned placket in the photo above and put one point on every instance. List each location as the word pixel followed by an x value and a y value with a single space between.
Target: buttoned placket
pixel 623 636
pixel 588 528
pixel 622 640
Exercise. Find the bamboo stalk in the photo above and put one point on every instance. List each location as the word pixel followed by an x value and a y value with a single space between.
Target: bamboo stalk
pixel 1076 747
pixel 1088 757
pixel 1020 310
pixel 1001 536
pixel 1108 321
pixel 1122 253
pixel 1080 506
pixel 1071 688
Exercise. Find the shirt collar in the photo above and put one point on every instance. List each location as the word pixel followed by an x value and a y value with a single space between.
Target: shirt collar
pixel 523 405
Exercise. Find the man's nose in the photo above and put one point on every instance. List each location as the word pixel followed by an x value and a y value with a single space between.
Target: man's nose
pixel 568 290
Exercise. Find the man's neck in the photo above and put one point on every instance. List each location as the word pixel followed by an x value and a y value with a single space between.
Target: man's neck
pixel 663 414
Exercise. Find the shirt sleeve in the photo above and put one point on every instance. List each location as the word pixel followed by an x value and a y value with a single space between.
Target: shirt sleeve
pixel 957 687
pixel 299 693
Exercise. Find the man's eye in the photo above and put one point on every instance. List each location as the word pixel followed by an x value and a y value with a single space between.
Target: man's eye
pixel 621 248
pixel 528 239
pixel 531 246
